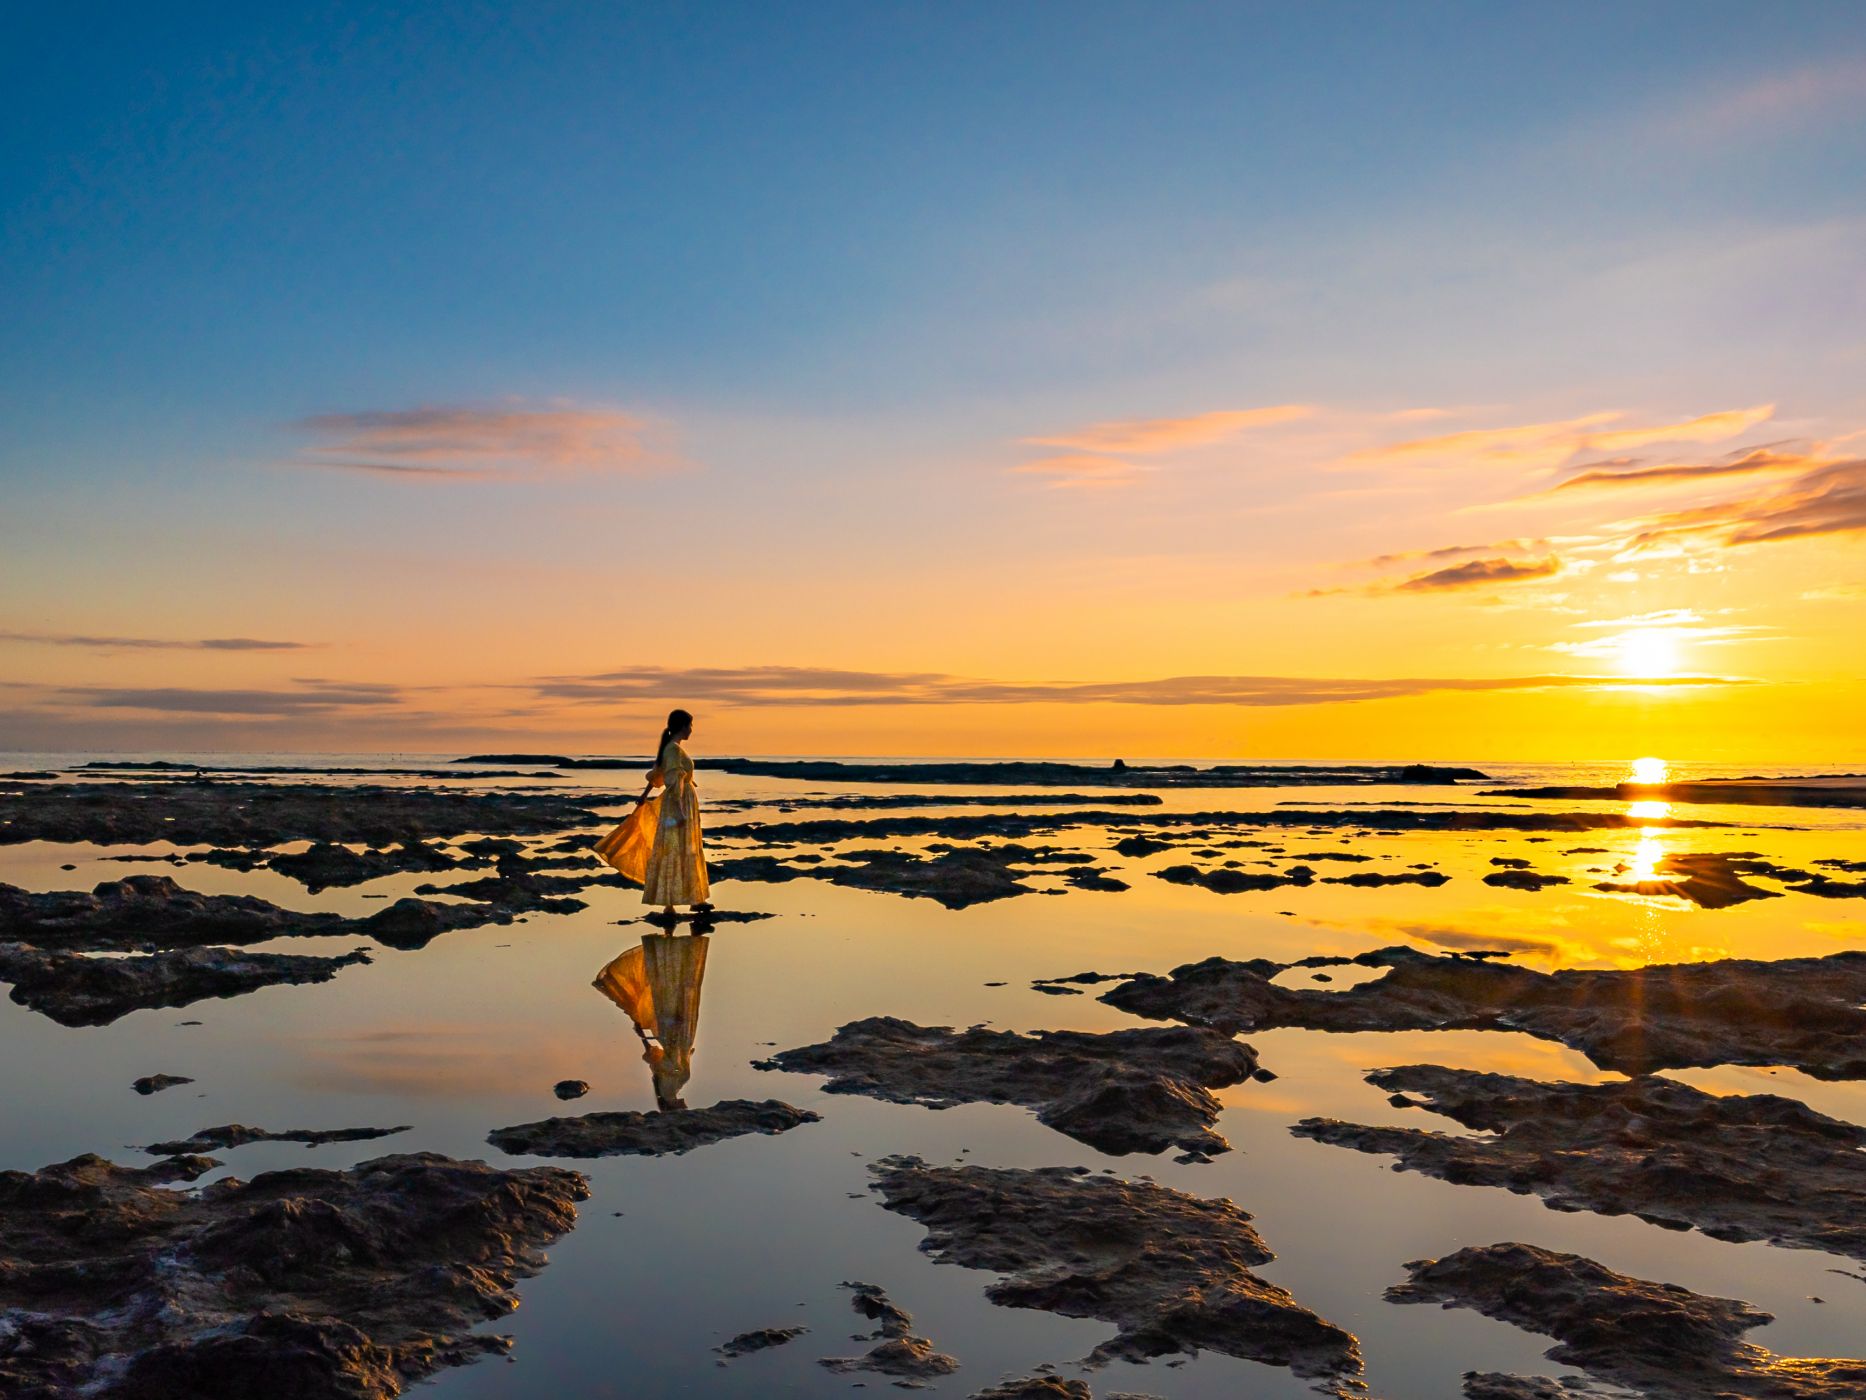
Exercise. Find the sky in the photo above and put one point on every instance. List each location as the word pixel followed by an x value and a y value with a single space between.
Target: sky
pixel 1334 381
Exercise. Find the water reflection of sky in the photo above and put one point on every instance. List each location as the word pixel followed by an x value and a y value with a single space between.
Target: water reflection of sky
pixel 673 1255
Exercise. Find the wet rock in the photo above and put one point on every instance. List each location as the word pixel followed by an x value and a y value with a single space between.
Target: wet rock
pixel 327 865
pixel 648 1134
pixel 156 1083
pixel 295 1285
pixel 516 890
pixel 75 990
pixel 1708 879
pixel 1141 845
pixel 411 924
pixel 1227 881
pixel 1659 1339
pixel 1169 1270
pixel 238 1135
pixel 1516 878
pixel 1124 1091
pixel 254 815
pixel 1036 1388
pixel 898 1352
pixel 1738 1167
pixel 1832 790
pixel 147 913
pixel 1371 878
pixel 758 1339
pixel 1091 878
pixel 1807 1013
pixel 570 1088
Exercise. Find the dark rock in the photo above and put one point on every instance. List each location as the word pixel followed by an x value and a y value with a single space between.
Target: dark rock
pixel 898 1352
pixel 1804 1012
pixel 1708 879
pixel 759 1339
pixel 76 990
pixel 1661 1340
pixel 648 1134
pixel 1036 1388
pixel 1122 1091
pixel 147 913
pixel 1167 1269
pixel 1832 790
pixel 1224 881
pixel 1519 879
pixel 253 815
pixel 1738 1167
pixel 327 865
pixel 156 1083
pixel 238 1135
pixel 1429 878
pixel 570 1088
pixel 297 1285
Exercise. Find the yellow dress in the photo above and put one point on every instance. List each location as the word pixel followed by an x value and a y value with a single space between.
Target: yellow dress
pixel 658 986
pixel 676 869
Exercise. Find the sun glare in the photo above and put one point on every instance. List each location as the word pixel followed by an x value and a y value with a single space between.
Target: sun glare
pixel 1649 653
pixel 1649 771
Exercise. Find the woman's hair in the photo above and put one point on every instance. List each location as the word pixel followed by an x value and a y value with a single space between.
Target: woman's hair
pixel 677 720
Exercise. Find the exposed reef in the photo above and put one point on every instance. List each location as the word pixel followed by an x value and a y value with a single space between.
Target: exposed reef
pixel 211 813
pixel 1169 1270
pixel 1661 1340
pixel 758 1339
pixel 1833 790
pixel 296 1285
pixel 156 1083
pixel 897 1351
pixel 1737 1167
pixel 1124 1091
pixel 956 877
pixel 630 1133
pixel 238 1135
pixel 1807 1013
pixel 75 990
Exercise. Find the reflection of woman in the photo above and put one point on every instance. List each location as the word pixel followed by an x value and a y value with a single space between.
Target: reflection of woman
pixel 658 985
pixel 676 869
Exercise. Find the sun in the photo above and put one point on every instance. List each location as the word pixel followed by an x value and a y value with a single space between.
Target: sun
pixel 1649 653
pixel 1649 772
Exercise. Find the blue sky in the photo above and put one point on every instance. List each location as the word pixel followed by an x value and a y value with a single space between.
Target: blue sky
pixel 842 259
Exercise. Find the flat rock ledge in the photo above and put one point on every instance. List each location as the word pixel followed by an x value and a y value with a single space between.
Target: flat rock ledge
pixel 758 1339
pixel 1036 1388
pixel 1807 1013
pixel 1141 1090
pixel 629 1133
pixel 1737 1167
pixel 897 1351
pixel 296 1285
pixel 1169 1270
pixel 1661 1340
pixel 156 1083
pixel 230 1135
pixel 75 990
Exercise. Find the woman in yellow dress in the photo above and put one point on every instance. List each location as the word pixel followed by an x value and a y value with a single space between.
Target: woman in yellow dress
pixel 676 867
pixel 658 985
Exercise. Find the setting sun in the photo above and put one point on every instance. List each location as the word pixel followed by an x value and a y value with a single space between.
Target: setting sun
pixel 1649 653
pixel 1649 771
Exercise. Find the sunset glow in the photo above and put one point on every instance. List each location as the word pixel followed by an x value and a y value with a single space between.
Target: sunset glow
pixel 1649 772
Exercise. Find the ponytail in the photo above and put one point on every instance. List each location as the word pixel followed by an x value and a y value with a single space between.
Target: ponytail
pixel 677 720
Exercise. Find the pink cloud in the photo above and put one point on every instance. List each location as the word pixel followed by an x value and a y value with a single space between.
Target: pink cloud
pixel 479 443
pixel 1147 436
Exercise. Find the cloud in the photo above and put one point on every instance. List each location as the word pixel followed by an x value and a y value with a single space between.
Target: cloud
pixel 1479 573
pixel 466 443
pixel 1759 459
pixel 309 697
pixel 1549 444
pixel 776 686
pixel 78 639
pixel 1148 436
pixel 1453 551
pixel 1830 500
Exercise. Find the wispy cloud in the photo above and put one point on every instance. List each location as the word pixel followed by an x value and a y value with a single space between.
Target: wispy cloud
pixel 1549 444
pixel 1741 463
pixel 1096 454
pixel 306 697
pixel 1480 573
pixel 797 686
pixel 1454 551
pixel 1830 500
pixel 1146 436
pixel 99 643
pixel 480 443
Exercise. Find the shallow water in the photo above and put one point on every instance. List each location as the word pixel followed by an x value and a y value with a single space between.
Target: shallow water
pixel 673 1255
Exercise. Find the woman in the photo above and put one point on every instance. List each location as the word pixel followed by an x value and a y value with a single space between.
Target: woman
pixel 676 868
pixel 658 985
